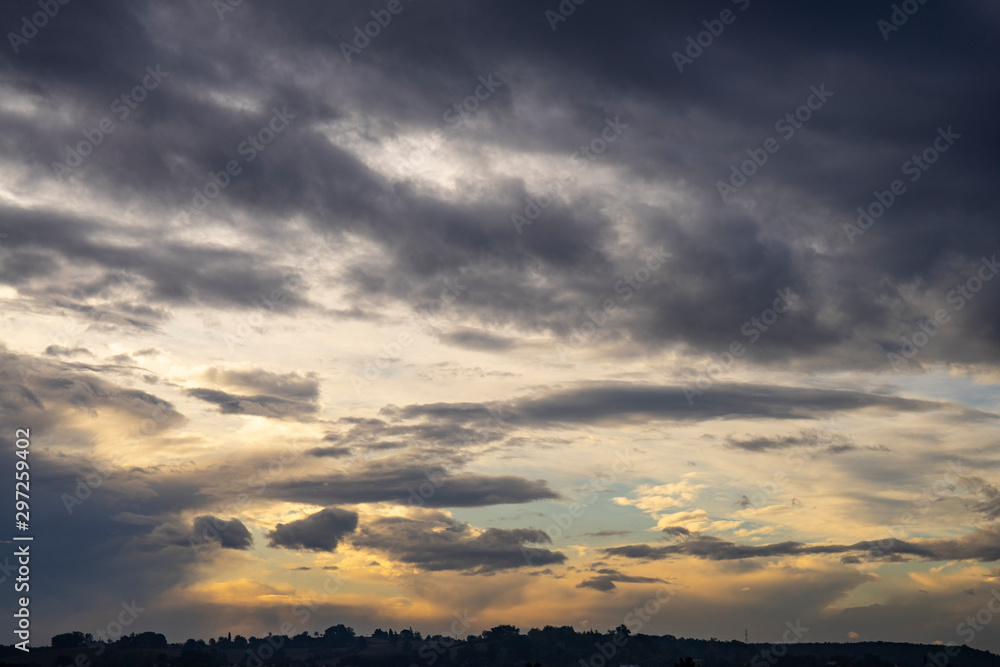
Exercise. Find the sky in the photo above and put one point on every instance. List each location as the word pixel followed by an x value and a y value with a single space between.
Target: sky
pixel 446 315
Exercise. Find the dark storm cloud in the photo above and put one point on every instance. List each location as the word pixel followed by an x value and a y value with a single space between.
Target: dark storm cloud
pixel 724 400
pixel 756 259
pixel 232 534
pixel 259 405
pixel 398 479
pixel 686 131
pixel 204 531
pixel 120 538
pixel 981 545
pixel 329 451
pixel 626 402
pixel 166 272
pixel 321 531
pixel 607 577
pixel 439 542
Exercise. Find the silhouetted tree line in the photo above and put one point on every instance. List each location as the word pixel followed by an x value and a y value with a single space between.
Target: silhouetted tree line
pixel 141 640
pixel 500 646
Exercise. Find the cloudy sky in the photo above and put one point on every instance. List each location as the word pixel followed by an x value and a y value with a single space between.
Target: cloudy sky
pixel 379 312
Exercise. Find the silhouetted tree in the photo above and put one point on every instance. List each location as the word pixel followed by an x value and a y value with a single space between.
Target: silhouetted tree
pixel 69 640
pixel 150 640
pixel 338 636
pixel 501 632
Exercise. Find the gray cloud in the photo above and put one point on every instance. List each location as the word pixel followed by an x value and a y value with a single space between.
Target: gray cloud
pixel 624 402
pixel 607 577
pixel 832 443
pixel 166 273
pixel 231 534
pixel 981 545
pixel 474 339
pixel 59 351
pixel 259 405
pixel 291 386
pixel 321 531
pixel 329 451
pixel 989 507
pixel 853 306
pixel 397 480
pixel 32 387
pixel 439 542
pixel 676 531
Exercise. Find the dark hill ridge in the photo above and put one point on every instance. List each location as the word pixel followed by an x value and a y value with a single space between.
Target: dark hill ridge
pixel 503 646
